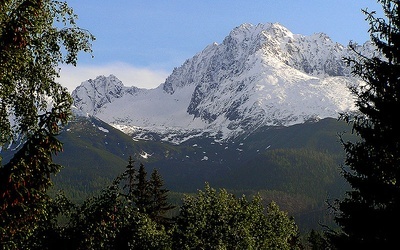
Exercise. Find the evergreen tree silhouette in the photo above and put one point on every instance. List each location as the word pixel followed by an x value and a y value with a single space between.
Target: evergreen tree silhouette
pixel 159 199
pixel 369 213
pixel 141 192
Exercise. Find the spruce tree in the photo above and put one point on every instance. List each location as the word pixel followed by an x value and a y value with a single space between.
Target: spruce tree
pixel 141 192
pixel 370 213
pixel 159 199
pixel 130 175
pixel 147 195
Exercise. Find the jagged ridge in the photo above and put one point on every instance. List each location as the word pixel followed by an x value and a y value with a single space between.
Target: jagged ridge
pixel 261 75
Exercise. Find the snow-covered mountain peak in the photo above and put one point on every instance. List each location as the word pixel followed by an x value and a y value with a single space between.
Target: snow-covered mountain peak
pixel 248 30
pixel 315 55
pixel 92 95
pixel 260 75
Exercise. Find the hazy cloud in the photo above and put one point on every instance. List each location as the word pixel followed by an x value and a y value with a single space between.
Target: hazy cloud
pixel 71 77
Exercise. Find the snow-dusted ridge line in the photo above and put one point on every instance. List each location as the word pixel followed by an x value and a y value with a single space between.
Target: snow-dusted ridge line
pixel 260 75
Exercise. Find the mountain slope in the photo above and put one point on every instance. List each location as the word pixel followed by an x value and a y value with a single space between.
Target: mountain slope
pixel 297 166
pixel 95 153
pixel 261 75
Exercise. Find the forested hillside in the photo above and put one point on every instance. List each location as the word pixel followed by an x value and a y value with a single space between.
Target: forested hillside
pixel 296 166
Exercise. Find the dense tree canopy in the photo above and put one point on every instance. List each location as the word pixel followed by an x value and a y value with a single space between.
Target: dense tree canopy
pixel 370 212
pixel 35 37
pixel 112 221
pixel 217 220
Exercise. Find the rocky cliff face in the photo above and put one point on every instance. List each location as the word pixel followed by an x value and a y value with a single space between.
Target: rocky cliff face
pixel 92 95
pixel 260 75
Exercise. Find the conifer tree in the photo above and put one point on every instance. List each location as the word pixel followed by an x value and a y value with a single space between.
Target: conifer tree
pixel 369 213
pixel 141 192
pixel 147 195
pixel 107 221
pixel 159 199
pixel 130 174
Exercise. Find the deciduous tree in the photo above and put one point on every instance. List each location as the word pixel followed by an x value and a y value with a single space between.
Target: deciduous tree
pixel 35 37
pixel 217 220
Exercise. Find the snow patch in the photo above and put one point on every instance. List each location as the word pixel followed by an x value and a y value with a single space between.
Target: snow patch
pixel 103 129
pixel 145 155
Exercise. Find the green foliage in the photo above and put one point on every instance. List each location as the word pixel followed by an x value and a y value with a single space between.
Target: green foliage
pixel 159 204
pixel 299 180
pixel 35 36
pixel 110 221
pixel 51 232
pixel 141 191
pixel 126 215
pixel 295 171
pixel 147 195
pixel 25 180
pixel 217 220
pixel 313 149
pixel 117 219
pixel 318 241
pixel 369 212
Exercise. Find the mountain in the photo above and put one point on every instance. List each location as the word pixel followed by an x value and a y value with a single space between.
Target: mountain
pixel 94 153
pixel 254 114
pixel 94 94
pixel 260 75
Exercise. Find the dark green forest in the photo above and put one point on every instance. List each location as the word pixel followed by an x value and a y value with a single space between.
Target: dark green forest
pixel 299 170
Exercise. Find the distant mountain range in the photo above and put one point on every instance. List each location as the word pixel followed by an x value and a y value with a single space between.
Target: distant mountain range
pixel 261 75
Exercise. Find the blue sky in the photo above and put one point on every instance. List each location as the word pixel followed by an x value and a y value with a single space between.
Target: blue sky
pixel 142 41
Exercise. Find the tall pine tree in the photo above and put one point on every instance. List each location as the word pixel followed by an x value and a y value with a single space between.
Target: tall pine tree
pixel 149 196
pixel 370 212
pixel 141 192
pixel 130 175
pixel 159 199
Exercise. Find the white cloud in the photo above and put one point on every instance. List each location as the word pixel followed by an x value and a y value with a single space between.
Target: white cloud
pixel 71 77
